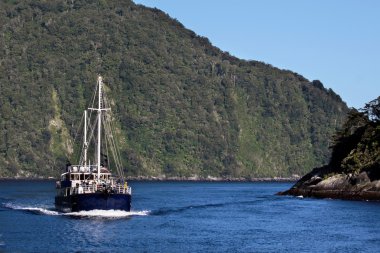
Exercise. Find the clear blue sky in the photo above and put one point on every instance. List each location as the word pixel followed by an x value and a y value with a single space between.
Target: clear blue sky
pixel 334 41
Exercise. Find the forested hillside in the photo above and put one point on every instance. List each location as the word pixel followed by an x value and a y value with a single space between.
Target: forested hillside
pixel 183 106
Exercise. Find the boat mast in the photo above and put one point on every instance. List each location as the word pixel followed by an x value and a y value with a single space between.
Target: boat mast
pixel 85 138
pixel 99 121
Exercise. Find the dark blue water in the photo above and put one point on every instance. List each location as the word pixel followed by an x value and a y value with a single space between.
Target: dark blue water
pixel 188 217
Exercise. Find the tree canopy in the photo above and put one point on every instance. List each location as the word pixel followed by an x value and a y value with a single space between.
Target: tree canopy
pixel 356 146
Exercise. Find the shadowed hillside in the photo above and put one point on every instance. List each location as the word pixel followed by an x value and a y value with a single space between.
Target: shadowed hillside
pixel 183 106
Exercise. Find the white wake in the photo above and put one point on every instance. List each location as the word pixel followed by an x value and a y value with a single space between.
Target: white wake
pixel 108 213
pixel 92 213
pixel 40 210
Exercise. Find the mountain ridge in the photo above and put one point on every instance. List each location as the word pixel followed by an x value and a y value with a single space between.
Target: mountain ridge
pixel 184 107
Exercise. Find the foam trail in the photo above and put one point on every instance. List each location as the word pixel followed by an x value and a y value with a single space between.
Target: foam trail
pixel 38 210
pixel 108 213
pixel 92 213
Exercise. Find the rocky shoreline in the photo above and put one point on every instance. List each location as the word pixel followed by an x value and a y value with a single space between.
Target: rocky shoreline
pixel 362 186
pixel 334 194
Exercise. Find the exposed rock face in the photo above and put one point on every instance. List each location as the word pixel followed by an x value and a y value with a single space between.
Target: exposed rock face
pixel 362 186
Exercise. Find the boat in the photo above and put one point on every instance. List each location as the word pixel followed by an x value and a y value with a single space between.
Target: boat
pixel 88 186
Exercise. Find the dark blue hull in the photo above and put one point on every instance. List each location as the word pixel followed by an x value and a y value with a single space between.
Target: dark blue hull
pixel 92 201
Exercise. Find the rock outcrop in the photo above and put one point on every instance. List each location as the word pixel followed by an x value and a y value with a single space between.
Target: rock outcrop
pixel 362 186
pixel 354 168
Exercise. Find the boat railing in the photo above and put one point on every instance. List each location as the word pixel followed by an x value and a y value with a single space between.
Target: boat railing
pixel 89 188
pixel 123 189
pixel 81 168
pixel 92 188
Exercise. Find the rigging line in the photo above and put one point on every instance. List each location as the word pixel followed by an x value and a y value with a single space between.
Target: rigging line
pixel 94 95
pixel 92 131
pixel 81 160
pixel 117 150
pixel 121 172
pixel 81 157
pixel 91 139
pixel 109 127
pixel 117 166
pixel 78 128
pixel 107 153
pixel 90 127
pixel 105 120
pixel 104 133
pixel 114 150
pixel 112 135
pixel 93 101
pixel 108 157
pixel 112 146
pixel 76 136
